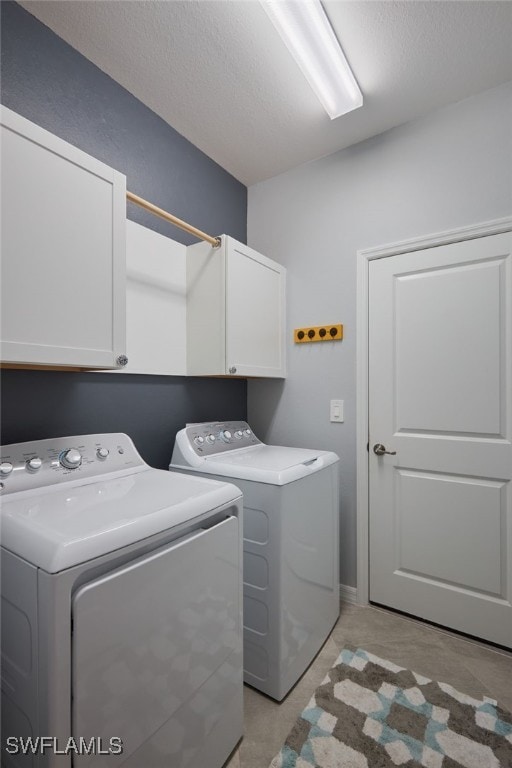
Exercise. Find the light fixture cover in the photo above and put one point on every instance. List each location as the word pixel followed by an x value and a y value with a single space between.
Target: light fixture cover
pixel 307 33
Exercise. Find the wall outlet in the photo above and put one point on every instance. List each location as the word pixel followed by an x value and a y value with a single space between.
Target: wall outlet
pixel 337 410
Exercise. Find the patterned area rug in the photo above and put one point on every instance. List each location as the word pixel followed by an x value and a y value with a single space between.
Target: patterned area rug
pixel 370 713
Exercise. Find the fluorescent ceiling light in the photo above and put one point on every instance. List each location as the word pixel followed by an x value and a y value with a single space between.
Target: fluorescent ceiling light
pixel 309 36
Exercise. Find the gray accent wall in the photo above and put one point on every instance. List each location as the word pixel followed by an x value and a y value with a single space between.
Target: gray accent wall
pixel 50 83
pixel 151 409
pixel 450 169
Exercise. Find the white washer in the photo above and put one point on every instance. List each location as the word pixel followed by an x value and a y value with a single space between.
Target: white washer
pixel 121 607
pixel 291 544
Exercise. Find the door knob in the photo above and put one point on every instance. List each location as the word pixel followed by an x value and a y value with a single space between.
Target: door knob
pixel 380 450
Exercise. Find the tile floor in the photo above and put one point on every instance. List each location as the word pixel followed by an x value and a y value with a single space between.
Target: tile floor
pixel 472 667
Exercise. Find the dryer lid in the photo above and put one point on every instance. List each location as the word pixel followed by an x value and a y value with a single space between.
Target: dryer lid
pixel 272 464
pixel 63 526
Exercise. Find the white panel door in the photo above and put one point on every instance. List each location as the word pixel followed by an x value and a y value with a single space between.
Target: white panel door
pixel 440 396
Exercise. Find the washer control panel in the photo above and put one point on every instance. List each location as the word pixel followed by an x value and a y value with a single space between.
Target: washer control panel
pixel 46 462
pixel 213 437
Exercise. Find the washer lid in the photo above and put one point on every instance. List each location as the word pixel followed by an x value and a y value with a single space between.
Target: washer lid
pixel 63 526
pixel 272 464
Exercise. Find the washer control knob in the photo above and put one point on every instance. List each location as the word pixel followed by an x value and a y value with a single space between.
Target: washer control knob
pixel 71 459
pixel 34 464
pixel 239 434
pixel 210 438
pixel 5 468
pixel 225 435
pixel 247 432
pixel 102 453
pixel 199 440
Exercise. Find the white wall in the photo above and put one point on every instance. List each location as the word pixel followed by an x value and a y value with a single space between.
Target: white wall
pixel 450 169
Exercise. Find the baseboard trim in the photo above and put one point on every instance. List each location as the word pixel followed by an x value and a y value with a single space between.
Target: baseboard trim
pixel 348 594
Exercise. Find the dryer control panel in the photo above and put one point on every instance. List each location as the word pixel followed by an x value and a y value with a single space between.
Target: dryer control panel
pixel 39 463
pixel 212 437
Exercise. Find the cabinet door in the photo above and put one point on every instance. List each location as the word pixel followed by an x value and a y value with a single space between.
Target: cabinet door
pixel 63 251
pixel 255 313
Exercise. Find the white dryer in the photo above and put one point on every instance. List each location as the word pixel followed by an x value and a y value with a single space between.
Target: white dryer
pixel 291 544
pixel 121 609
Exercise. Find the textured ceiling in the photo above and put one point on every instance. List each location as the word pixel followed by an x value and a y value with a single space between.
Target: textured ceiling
pixel 218 72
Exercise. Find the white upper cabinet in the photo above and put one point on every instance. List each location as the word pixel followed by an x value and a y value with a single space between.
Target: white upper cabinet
pixel 235 311
pixel 63 263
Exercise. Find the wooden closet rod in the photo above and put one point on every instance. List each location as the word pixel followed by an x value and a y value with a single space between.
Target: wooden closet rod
pixel 215 241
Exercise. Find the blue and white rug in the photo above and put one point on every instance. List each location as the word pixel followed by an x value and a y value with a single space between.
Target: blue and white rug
pixel 371 713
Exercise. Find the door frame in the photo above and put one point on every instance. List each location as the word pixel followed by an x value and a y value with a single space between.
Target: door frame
pixel 364 257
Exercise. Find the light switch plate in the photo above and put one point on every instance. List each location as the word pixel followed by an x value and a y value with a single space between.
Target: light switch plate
pixel 337 410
